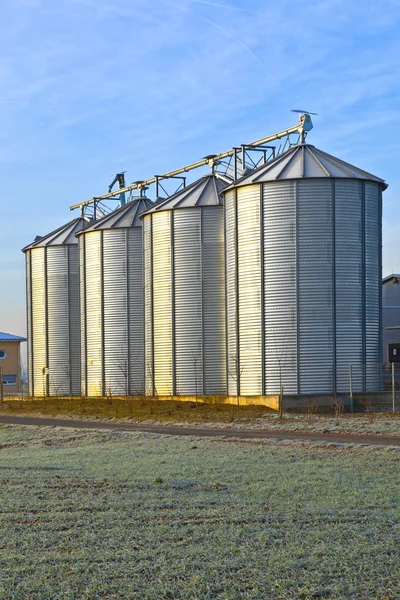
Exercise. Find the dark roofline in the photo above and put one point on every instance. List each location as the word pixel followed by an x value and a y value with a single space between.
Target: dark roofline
pixel 391 277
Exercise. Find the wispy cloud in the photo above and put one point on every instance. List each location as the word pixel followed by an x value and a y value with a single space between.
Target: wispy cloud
pixel 93 86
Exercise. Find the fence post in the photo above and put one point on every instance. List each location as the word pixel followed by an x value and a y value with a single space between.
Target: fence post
pixel 393 390
pixel 351 388
pixel 1 385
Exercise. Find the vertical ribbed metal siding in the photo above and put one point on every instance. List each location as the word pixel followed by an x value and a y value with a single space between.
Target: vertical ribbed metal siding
pixel 58 320
pixel 249 290
pixel 213 272
pixel 280 281
pixel 115 313
pixel 112 311
pixel 349 282
pixel 315 230
pixel 136 310
pixel 373 286
pixel 29 320
pixel 39 336
pixel 162 303
pixel 148 303
pixel 74 319
pixel 322 277
pixel 185 301
pixel 93 313
pixel 232 357
pixel 187 277
pixel 82 312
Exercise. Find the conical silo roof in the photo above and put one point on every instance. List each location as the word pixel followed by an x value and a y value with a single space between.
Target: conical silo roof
pixel 124 217
pixel 306 162
pixel 66 234
pixel 205 191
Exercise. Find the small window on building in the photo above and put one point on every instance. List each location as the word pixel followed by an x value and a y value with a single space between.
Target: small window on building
pixel 394 353
pixel 3 354
pixel 9 380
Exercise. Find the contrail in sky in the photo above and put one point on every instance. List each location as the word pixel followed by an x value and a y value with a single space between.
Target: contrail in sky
pixel 226 31
pixel 252 12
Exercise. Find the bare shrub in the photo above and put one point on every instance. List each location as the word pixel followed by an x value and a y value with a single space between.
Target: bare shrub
pixel 338 407
pixel 311 408
pixel 369 407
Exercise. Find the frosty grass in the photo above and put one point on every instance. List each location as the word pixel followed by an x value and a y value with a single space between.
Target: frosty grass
pixel 110 514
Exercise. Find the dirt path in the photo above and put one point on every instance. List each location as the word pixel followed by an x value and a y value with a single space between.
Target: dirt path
pixel 207 432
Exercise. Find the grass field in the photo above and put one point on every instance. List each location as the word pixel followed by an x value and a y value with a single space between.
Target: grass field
pixel 135 516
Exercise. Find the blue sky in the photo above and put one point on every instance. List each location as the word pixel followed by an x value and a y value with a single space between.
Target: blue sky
pixel 91 87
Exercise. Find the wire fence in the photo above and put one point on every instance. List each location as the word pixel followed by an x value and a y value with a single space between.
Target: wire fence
pixel 374 387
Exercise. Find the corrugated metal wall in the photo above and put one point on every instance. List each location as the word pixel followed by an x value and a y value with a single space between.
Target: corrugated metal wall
pixel 53 320
pixel 163 349
pixel 112 312
pixel 185 295
pixel 148 305
pixel 315 265
pixel 249 240
pixel 280 287
pixel 309 305
pixel 93 314
pixel 373 282
pixel 232 325
pixel 39 334
pixel 28 273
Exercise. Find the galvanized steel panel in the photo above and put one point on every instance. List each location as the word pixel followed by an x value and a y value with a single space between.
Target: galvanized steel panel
pixel 321 263
pixel 373 275
pixel 136 310
pixel 82 311
pixel 188 293
pixel 213 271
pixel 163 304
pixel 74 319
pixel 29 320
pixel 280 287
pixel 249 290
pixel 115 313
pixel 232 357
pixel 58 320
pixel 187 280
pixel 349 281
pixel 94 313
pixel 39 320
pixel 315 261
pixel 148 303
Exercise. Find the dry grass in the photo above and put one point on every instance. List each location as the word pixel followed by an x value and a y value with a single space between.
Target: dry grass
pixel 138 409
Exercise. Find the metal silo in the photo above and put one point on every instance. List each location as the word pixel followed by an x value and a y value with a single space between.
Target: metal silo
pixel 185 291
pixel 303 260
pixel 52 283
pixel 112 342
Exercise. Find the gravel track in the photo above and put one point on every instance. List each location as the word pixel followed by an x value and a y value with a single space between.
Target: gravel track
pixel 375 440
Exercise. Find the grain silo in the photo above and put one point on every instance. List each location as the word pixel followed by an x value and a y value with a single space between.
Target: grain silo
pixel 112 342
pixel 185 291
pixel 303 260
pixel 52 283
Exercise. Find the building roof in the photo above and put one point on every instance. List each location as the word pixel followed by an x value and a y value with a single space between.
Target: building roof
pixel 8 337
pixel 124 217
pixel 392 277
pixel 205 191
pixel 66 234
pixel 302 162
